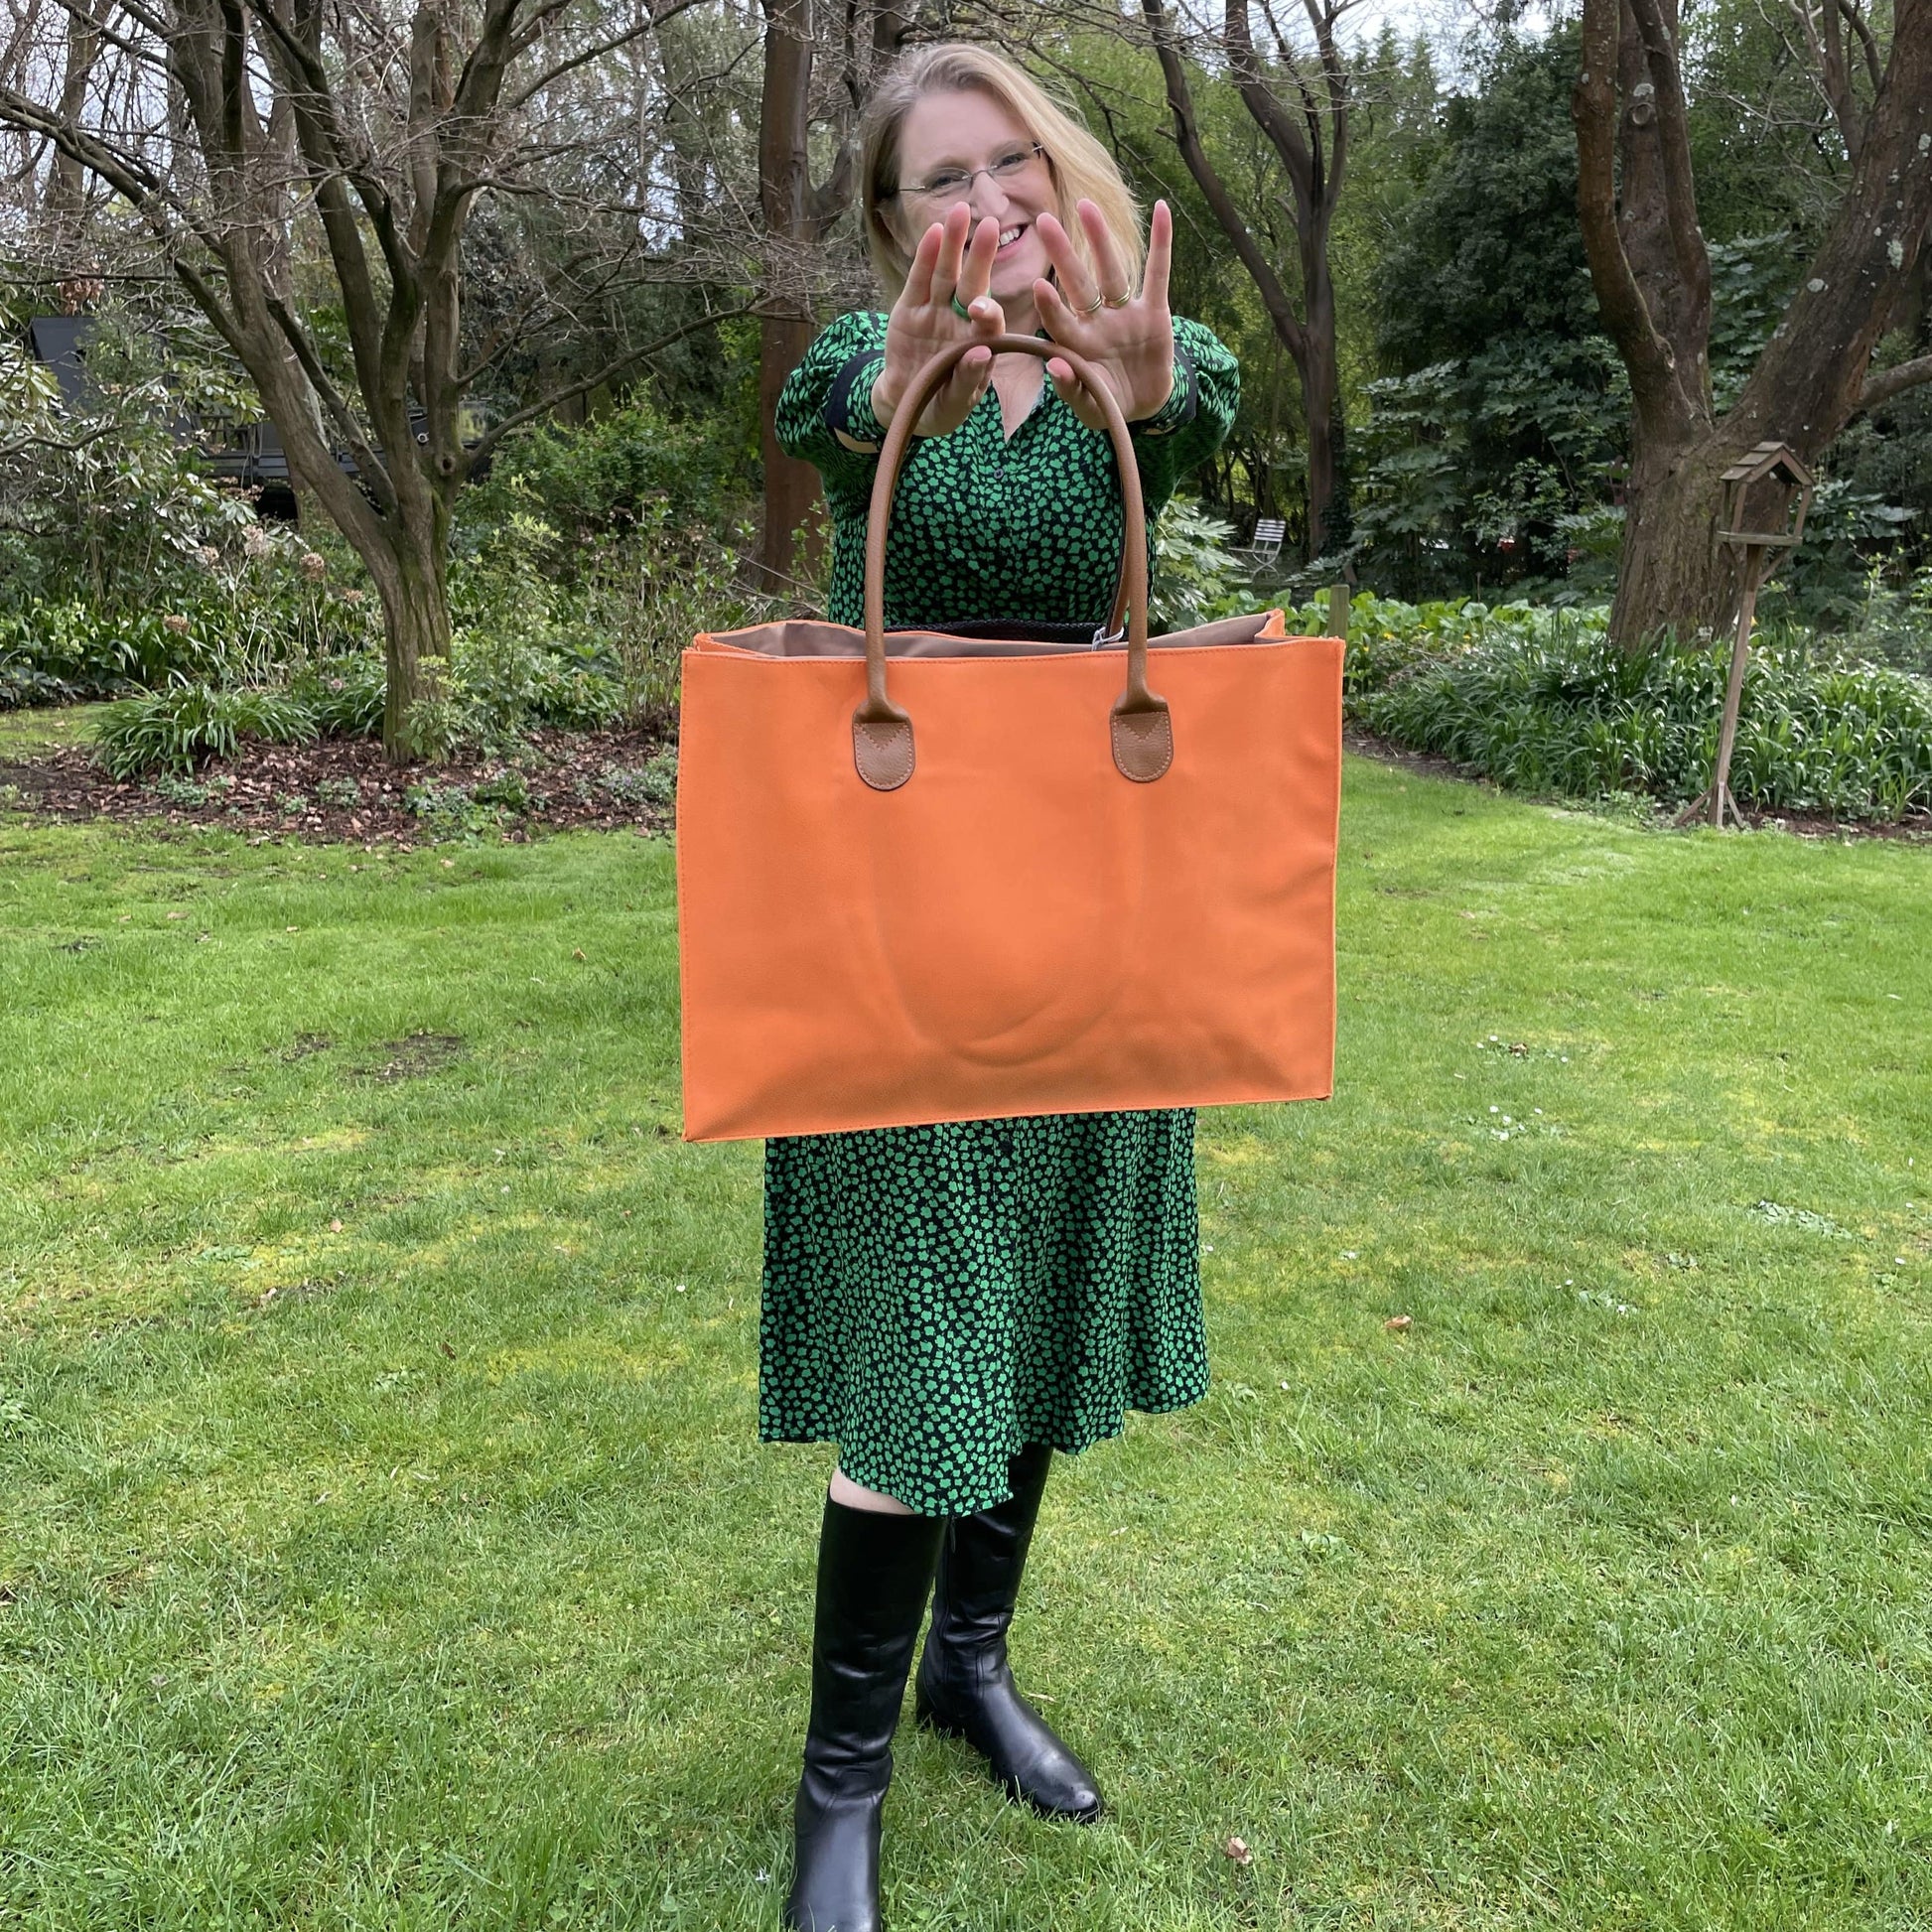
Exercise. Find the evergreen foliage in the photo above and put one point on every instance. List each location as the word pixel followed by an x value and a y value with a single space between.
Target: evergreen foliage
pixel 1540 700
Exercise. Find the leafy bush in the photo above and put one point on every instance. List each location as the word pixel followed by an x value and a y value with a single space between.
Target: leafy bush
pixel 72 650
pixel 599 580
pixel 227 632
pixel 617 474
pixel 1895 624
pixel 455 811
pixel 1543 701
pixel 528 669
pixel 1196 577
pixel 655 783
pixel 345 696
pixel 102 498
pixel 176 728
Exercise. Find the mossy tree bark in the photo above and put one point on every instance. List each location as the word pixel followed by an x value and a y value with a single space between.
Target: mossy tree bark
pixel 1638 200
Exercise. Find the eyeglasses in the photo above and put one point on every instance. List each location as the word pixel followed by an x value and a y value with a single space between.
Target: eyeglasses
pixel 959 181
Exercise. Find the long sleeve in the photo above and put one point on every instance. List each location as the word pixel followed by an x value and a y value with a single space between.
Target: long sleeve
pixel 827 398
pixel 1196 417
pixel 988 525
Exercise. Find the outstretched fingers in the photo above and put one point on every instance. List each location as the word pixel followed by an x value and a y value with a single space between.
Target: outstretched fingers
pixel 1114 279
pixel 1075 282
pixel 952 249
pixel 960 393
pixel 976 278
pixel 1159 258
pixel 925 260
pixel 1055 317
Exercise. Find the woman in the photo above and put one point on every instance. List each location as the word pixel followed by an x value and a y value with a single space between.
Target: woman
pixel 951 1304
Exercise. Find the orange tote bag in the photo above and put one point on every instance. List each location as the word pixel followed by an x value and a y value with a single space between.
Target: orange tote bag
pixel 930 878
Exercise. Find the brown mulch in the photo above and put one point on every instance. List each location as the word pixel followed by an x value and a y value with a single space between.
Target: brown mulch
pixel 575 781
pixel 1915 827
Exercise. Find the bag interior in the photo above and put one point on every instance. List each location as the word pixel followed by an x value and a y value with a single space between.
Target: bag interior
pixel 812 638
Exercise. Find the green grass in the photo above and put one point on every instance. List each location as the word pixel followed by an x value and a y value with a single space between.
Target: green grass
pixel 384 1540
pixel 27 734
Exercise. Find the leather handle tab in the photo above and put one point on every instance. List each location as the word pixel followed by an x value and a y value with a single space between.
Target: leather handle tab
pixel 1141 727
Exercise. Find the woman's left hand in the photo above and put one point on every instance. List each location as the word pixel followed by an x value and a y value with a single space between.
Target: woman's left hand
pixel 1126 334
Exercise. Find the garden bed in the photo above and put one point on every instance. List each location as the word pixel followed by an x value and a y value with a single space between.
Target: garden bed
pixel 343 790
pixel 1915 826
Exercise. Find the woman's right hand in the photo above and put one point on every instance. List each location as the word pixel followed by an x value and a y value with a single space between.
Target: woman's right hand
pixel 923 322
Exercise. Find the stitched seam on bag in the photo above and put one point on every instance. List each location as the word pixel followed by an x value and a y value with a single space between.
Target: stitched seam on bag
pixel 1160 770
pixel 881 736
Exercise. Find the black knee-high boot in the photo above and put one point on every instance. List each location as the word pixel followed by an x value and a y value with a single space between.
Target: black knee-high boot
pixel 965 1687
pixel 875 1572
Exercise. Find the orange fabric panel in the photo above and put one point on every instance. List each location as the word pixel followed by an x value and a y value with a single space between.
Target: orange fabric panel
pixel 1017 929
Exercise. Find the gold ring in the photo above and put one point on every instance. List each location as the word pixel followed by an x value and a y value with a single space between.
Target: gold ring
pixel 1118 301
pixel 1093 309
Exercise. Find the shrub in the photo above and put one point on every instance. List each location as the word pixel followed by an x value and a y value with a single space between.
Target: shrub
pixel 587 485
pixel 520 672
pixel 1543 701
pixel 56 652
pixel 175 730
pixel 653 783
pixel 345 696
pixel 620 599
pixel 1196 578
pixel 21 685
pixel 454 812
pixel 63 652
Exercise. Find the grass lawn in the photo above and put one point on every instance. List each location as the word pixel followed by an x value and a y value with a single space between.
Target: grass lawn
pixel 384 1542
pixel 25 734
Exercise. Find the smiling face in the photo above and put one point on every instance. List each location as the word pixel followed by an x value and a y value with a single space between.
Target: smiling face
pixel 959 132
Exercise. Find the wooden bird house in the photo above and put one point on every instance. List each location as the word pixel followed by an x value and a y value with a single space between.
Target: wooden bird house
pixel 1767 492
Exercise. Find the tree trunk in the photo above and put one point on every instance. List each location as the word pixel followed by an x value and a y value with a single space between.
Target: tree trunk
pixel 413 582
pixel 1637 205
pixel 67 191
pixel 794 534
pixel 1674 576
pixel 787 321
pixel 1320 373
pixel 1311 140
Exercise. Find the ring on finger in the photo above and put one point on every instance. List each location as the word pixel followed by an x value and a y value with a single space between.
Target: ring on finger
pixel 1114 301
pixel 1093 308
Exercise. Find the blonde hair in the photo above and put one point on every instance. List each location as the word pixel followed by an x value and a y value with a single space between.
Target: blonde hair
pixel 1082 168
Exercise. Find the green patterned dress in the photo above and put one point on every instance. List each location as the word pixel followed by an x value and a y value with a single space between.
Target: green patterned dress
pixel 935 1297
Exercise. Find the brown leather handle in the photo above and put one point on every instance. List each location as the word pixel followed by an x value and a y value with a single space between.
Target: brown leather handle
pixel 882 733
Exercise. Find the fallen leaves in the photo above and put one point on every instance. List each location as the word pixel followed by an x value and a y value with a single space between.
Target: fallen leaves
pixel 1237 1850
pixel 358 794
pixel 1399 1324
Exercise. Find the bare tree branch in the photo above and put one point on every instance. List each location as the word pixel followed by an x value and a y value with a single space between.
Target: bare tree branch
pixel 482 448
pixel 1883 384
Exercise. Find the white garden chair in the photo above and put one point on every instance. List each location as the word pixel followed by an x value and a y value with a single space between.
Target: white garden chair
pixel 1267 545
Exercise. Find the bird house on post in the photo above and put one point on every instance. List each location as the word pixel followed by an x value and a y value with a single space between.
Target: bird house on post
pixel 1767 492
